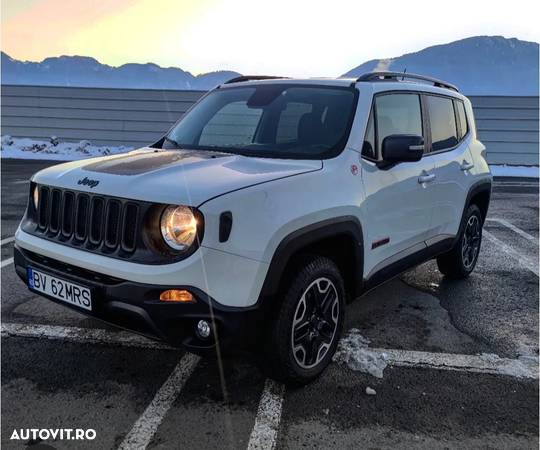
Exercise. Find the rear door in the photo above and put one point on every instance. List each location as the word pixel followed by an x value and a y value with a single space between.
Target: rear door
pixel 398 204
pixel 449 151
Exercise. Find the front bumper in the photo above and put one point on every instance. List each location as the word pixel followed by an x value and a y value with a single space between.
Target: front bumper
pixel 136 307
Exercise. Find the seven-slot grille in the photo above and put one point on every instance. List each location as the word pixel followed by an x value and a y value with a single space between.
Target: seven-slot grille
pixel 91 220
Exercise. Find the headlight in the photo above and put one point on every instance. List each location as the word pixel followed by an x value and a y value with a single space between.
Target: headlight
pixel 178 227
pixel 35 196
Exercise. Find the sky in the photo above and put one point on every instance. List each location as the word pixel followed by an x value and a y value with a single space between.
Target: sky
pixel 284 37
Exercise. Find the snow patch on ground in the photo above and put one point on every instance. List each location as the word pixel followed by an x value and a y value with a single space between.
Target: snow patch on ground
pixel 520 367
pixel 354 352
pixel 514 171
pixel 53 149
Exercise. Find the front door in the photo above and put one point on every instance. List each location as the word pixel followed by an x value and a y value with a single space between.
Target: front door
pixel 399 199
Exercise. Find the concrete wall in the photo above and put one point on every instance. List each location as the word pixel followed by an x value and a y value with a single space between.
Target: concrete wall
pixel 508 126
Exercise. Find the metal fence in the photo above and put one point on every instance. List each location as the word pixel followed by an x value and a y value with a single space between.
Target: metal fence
pixel 508 126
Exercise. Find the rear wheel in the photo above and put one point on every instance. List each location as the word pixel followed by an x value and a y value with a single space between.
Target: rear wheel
pixel 461 260
pixel 308 325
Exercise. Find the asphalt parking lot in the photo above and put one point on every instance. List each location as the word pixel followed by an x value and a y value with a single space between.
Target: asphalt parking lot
pixel 462 362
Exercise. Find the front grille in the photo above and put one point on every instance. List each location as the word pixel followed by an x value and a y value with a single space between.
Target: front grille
pixel 88 220
pixel 112 226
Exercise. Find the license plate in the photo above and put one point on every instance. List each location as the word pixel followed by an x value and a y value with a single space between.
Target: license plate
pixel 71 293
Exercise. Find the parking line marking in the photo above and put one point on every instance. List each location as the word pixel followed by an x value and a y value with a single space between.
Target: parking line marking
pixel 6 262
pixel 487 363
pixel 81 335
pixel 515 229
pixel 270 399
pixel 265 431
pixel 146 426
pixel 7 240
pixel 523 260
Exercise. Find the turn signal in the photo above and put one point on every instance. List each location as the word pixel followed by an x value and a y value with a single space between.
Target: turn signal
pixel 177 295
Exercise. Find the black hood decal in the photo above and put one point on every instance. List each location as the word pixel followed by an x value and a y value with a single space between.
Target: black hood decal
pixel 138 163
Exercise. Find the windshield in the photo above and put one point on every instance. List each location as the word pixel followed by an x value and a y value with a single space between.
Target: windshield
pixel 271 120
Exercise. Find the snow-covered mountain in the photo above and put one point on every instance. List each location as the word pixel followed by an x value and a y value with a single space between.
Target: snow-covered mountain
pixel 88 72
pixel 481 65
pixel 490 65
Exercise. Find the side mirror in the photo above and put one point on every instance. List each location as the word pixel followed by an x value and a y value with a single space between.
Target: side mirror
pixel 402 148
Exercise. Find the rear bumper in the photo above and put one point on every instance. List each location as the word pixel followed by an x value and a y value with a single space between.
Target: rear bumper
pixel 136 307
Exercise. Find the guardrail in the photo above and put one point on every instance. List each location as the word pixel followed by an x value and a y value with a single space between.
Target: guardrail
pixel 508 126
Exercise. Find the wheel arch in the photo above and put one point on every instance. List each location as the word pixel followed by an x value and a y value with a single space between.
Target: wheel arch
pixel 340 239
pixel 480 195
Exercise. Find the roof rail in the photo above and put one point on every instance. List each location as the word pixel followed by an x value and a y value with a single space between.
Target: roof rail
pixel 252 78
pixel 383 76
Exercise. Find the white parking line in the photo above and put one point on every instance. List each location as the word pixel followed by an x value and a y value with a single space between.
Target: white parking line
pixel 487 363
pixel 407 358
pixel 81 335
pixel 146 426
pixel 265 431
pixel 7 240
pixel 6 262
pixel 515 229
pixel 525 261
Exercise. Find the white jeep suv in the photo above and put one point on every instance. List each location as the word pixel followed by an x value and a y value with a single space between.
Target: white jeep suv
pixel 268 206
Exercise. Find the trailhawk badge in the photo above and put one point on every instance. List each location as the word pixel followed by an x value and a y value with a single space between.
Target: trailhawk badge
pixel 88 182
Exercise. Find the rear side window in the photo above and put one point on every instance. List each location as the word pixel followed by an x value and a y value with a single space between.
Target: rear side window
pixel 463 125
pixel 397 114
pixel 443 123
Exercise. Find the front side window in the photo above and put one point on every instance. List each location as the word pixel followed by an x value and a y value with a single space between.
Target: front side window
pixel 443 123
pixel 397 114
pixel 269 120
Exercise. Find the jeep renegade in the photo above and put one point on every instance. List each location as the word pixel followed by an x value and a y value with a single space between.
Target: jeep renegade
pixel 268 206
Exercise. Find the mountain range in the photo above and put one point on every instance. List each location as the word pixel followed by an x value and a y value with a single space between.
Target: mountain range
pixel 83 71
pixel 481 65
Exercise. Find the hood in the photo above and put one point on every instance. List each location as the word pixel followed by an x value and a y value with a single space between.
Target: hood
pixel 170 176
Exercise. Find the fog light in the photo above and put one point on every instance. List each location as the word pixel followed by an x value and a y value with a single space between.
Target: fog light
pixel 176 295
pixel 203 329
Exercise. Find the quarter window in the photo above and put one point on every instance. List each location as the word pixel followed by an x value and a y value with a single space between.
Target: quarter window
pixel 443 123
pixel 397 114
pixel 463 126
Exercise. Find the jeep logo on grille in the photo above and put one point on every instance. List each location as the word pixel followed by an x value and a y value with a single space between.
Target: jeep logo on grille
pixel 88 182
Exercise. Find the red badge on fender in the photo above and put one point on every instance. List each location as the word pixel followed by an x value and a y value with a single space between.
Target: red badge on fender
pixel 354 169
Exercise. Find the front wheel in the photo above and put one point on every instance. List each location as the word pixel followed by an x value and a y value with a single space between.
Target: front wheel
pixel 461 260
pixel 308 325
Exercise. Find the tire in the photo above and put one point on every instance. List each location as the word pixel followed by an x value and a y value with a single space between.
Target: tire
pixel 314 306
pixel 459 262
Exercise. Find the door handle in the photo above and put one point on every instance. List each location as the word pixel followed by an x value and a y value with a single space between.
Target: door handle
pixel 466 165
pixel 426 178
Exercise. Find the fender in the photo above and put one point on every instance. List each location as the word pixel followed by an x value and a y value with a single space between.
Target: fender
pixel 346 225
pixel 480 186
